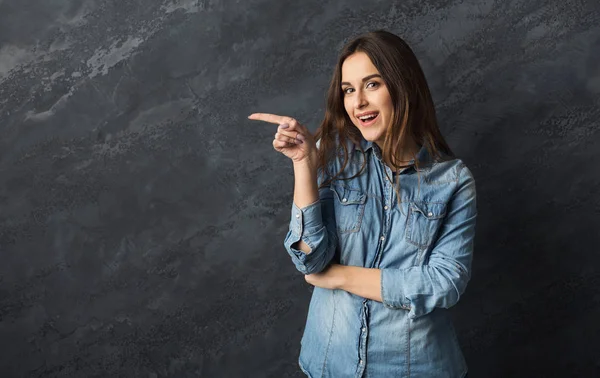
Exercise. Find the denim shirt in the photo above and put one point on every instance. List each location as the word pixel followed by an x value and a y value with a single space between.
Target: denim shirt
pixel 424 249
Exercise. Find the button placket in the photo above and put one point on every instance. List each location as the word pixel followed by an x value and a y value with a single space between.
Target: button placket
pixel 362 352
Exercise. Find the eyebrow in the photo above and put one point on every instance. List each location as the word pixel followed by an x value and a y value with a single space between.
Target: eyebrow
pixel 363 80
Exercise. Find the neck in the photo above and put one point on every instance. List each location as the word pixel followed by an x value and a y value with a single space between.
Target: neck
pixel 406 154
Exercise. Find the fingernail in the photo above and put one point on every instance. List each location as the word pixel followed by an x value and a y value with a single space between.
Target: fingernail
pixel 284 126
pixel 300 136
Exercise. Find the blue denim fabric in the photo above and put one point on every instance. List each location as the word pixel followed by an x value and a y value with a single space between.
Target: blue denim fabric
pixel 424 249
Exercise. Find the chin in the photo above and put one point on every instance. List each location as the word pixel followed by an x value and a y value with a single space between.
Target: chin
pixel 370 136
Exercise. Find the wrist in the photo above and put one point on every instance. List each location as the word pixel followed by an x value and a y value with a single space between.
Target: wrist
pixel 342 276
pixel 309 161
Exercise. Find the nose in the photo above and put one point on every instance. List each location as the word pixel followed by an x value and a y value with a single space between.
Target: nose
pixel 360 100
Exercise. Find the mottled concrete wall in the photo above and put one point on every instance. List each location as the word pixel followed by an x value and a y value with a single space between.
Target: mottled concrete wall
pixel 142 215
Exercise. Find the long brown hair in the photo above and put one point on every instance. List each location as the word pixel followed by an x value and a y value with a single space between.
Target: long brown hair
pixel 414 112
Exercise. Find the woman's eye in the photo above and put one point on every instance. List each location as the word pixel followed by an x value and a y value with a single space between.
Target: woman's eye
pixel 371 82
pixel 375 84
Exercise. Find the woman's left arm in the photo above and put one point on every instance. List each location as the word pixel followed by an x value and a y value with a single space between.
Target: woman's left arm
pixel 364 282
pixel 420 289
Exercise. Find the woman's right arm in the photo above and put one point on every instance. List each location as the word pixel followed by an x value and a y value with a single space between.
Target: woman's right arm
pixel 312 238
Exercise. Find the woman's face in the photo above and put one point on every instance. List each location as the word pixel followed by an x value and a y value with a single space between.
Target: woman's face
pixel 365 93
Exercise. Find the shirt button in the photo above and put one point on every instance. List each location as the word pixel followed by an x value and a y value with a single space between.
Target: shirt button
pixel 297 215
pixel 383 238
pixel 344 200
pixel 364 329
pixel 360 362
pixel 430 214
pixel 385 207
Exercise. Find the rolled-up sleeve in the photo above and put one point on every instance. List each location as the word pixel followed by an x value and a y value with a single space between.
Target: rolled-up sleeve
pixel 443 279
pixel 315 225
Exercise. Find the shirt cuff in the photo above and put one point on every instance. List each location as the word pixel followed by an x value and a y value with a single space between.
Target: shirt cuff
pixel 392 293
pixel 306 221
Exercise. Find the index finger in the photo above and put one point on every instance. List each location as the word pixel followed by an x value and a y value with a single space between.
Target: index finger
pixel 273 118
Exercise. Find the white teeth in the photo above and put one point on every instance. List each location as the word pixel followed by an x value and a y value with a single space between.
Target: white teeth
pixel 368 117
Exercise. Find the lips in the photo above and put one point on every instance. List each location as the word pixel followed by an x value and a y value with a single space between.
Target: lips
pixel 369 121
pixel 366 113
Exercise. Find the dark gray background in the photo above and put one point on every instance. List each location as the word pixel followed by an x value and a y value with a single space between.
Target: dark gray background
pixel 142 215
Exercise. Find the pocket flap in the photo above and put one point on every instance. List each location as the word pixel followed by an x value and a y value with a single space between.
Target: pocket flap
pixel 347 196
pixel 430 210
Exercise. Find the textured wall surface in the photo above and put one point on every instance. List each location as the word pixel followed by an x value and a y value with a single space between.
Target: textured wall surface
pixel 142 215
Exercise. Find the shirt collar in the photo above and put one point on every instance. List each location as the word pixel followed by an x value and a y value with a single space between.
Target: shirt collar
pixel 423 155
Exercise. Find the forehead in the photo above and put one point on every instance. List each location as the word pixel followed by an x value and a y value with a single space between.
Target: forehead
pixel 357 66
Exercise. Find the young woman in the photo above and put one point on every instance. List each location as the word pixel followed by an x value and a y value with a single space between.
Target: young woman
pixel 382 222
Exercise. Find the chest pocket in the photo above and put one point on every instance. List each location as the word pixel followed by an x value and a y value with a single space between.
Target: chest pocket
pixel 424 222
pixel 349 205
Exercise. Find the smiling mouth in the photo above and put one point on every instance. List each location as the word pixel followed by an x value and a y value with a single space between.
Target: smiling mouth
pixel 369 121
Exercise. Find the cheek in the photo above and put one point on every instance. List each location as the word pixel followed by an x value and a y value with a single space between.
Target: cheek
pixel 348 112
